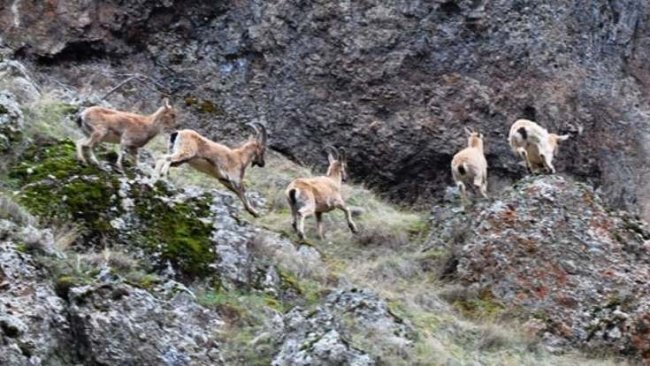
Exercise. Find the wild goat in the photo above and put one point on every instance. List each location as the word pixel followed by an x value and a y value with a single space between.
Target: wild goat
pixel 534 145
pixel 314 196
pixel 226 164
pixel 131 131
pixel 469 166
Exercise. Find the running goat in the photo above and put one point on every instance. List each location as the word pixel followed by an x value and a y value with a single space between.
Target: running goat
pixel 317 195
pixel 131 131
pixel 470 167
pixel 226 164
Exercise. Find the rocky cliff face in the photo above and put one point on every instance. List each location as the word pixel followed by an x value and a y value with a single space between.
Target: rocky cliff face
pixel 175 275
pixel 547 248
pixel 102 268
pixel 393 81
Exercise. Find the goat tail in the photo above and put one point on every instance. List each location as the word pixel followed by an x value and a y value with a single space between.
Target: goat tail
pixel 462 170
pixel 522 131
pixel 172 141
pixel 81 122
pixel 293 197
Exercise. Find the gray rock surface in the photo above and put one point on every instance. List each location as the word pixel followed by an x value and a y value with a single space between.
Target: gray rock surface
pixel 122 325
pixel 15 78
pixel 34 329
pixel 109 323
pixel 551 253
pixel 323 336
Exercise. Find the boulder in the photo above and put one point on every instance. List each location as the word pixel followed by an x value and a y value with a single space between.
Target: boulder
pixel 548 250
pixel 15 78
pixel 324 336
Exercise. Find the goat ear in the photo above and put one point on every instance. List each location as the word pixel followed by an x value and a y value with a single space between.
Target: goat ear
pixel 468 131
pixel 563 137
pixel 166 103
pixel 343 155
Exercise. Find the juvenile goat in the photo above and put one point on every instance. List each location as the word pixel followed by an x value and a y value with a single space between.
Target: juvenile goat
pixel 131 131
pixel 469 166
pixel 226 164
pixel 534 145
pixel 317 195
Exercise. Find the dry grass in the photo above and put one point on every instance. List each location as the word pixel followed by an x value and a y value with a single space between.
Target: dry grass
pixel 49 116
pixel 387 256
pixel 65 237
pixel 113 258
pixel 10 210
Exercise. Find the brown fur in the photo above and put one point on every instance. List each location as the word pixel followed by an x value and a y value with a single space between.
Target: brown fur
pixel 317 195
pixel 469 167
pixel 131 131
pixel 209 157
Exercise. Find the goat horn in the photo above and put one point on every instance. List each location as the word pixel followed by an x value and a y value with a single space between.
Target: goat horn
pixel 254 127
pixel 333 151
pixel 263 133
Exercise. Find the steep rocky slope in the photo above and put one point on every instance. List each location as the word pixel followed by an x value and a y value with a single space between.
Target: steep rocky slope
pixel 551 253
pixel 102 269
pixel 394 81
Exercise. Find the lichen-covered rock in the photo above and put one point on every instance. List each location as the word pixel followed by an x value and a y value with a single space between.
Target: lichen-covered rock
pixel 199 232
pixel 160 221
pixel 34 329
pixel 548 248
pixel 11 122
pixel 324 336
pixel 15 79
pixel 122 325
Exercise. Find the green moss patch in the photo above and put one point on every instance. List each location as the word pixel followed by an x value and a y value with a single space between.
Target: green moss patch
pixel 55 186
pixel 52 184
pixel 176 230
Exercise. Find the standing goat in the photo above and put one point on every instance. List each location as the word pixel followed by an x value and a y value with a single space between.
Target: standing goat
pixel 469 166
pixel 131 131
pixel 314 196
pixel 534 145
pixel 226 164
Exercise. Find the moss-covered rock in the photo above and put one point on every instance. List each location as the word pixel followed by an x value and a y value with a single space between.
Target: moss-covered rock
pixel 52 184
pixel 11 123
